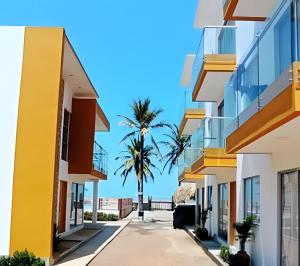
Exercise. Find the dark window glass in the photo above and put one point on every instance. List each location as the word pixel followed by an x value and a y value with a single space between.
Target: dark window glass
pixel 77 202
pixel 209 197
pixel 65 136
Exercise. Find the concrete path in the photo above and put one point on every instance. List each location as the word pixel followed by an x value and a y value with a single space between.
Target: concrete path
pixel 153 242
pixel 87 252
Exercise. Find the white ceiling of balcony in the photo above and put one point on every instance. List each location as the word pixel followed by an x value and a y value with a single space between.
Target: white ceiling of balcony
pixel 191 126
pixel 74 74
pixel 286 138
pixel 212 89
pixel 186 76
pixel 254 8
pixel 222 173
pixel 209 13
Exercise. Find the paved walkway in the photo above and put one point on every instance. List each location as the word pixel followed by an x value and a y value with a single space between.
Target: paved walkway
pixel 85 254
pixel 153 242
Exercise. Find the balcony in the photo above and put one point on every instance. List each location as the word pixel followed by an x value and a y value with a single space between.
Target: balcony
pixel 209 156
pixel 191 114
pixel 214 63
pixel 100 160
pixel 254 10
pixel 263 95
pixel 184 167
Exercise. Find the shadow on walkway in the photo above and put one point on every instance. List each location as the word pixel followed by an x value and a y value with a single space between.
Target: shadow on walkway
pixel 85 253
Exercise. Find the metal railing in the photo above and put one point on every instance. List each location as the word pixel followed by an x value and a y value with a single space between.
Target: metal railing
pixel 100 159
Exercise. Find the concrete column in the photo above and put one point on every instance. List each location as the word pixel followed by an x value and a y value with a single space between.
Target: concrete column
pixel 95 200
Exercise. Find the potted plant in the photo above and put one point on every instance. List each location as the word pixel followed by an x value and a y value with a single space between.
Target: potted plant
pixel 244 230
pixel 201 231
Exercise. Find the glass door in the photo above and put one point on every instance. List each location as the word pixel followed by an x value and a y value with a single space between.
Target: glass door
pixel 223 211
pixel 290 218
pixel 77 202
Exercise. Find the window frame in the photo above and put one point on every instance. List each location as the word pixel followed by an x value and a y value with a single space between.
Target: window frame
pixel 251 179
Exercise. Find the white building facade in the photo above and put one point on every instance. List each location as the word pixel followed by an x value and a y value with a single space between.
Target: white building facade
pixel 245 79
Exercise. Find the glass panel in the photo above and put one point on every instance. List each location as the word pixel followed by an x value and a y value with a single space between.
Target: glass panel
pixel 209 196
pixel 80 201
pixel 231 105
pixel 256 198
pixel 275 48
pixel 188 103
pixel 223 210
pixel 65 136
pixel 73 206
pixel 100 159
pixel 264 71
pixel 214 40
pixel 247 198
pixel 290 219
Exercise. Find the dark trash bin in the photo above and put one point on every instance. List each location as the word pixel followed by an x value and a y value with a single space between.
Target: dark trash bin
pixel 183 215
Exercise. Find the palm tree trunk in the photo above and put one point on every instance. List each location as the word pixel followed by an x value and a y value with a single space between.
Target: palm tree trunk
pixel 141 181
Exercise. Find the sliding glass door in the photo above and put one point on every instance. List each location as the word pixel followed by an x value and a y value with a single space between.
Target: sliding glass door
pixel 77 201
pixel 290 218
pixel 223 211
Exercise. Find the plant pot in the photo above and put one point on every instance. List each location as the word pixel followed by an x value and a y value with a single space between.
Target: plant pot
pixel 202 234
pixel 242 259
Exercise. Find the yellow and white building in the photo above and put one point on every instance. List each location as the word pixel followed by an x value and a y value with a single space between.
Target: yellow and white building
pixel 49 115
pixel 246 75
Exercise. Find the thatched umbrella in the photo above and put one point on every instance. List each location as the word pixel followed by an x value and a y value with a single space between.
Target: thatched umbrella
pixel 184 193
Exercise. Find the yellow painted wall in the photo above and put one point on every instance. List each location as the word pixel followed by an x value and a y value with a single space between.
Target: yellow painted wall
pixel 34 173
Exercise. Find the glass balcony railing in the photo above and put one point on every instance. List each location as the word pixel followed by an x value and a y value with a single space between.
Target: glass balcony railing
pixel 264 71
pixel 187 104
pixel 186 160
pixel 214 40
pixel 209 135
pixel 100 159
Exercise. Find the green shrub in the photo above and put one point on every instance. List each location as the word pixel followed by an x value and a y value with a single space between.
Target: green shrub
pixel 112 217
pixel 226 256
pixel 88 216
pixel 5 261
pixel 21 258
pixel 101 216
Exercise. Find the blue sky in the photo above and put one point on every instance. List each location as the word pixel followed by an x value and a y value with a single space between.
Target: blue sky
pixel 130 49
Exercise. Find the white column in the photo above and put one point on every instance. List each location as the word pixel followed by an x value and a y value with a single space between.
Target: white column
pixel 95 200
pixel 197 205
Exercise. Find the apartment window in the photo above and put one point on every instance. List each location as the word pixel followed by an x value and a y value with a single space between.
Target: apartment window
pixel 209 196
pixel 252 197
pixel 223 211
pixel 65 136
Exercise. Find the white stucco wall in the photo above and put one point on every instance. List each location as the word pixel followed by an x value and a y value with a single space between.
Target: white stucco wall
pixel 265 248
pixel 11 54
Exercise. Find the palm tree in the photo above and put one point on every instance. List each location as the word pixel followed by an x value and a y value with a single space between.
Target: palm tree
pixel 131 160
pixel 176 146
pixel 142 121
